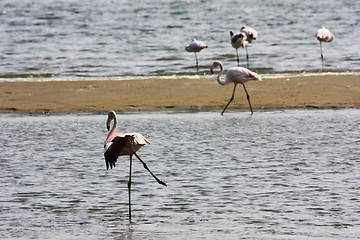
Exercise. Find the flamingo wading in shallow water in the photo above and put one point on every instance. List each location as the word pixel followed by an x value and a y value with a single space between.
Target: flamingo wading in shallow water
pixel 235 75
pixel 119 144
pixel 238 40
pixel 323 35
pixel 196 46
pixel 251 34
pixel 241 39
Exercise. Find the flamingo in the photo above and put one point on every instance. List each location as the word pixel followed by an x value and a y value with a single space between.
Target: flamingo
pixel 196 46
pixel 323 35
pixel 119 144
pixel 235 75
pixel 241 39
pixel 238 40
pixel 251 34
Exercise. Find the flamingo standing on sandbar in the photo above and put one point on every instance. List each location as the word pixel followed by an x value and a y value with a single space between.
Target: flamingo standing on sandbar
pixel 235 75
pixel 119 144
pixel 323 35
pixel 196 46
pixel 241 39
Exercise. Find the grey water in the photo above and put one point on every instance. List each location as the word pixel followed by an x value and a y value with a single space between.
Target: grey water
pixel 73 39
pixel 292 174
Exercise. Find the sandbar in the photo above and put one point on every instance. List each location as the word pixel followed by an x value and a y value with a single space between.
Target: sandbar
pixel 197 94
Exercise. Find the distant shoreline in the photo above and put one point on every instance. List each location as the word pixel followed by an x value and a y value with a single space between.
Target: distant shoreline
pixel 189 94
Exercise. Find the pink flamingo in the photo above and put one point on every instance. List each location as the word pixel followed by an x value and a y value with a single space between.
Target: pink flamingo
pixel 251 34
pixel 235 75
pixel 238 40
pixel 119 144
pixel 241 39
pixel 196 46
pixel 323 35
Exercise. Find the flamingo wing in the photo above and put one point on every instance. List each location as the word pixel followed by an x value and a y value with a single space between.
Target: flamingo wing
pixel 324 35
pixel 250 33
pixel 195 46
pixel 238 40
pixel 241 75
pixel 113 149
pixel 139 139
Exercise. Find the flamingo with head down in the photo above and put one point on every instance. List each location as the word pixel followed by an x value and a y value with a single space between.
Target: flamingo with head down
pixel 120 144
pixel 196 46
pixel 323 35
pixel 241 39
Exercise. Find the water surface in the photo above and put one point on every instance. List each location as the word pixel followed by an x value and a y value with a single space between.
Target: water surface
pixel 72 39
pixel 290 174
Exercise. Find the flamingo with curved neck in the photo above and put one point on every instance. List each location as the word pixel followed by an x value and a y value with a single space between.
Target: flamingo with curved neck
pixel 119 144
pixel 235 75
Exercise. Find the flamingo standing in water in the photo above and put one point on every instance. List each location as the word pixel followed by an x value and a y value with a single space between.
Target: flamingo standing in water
pixel 241 39
pixel 251 34
pixel 119 144
pixel 238 40
pixel 323 35
pixel 196 46
pixel 235 75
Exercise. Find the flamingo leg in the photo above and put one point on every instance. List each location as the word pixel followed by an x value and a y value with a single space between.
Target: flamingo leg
pixel 146 167
pixel 237 57
pixel 322 56
pixel 247 56
pixel 232 98
pixel 129 187
pixel 248 98
pixel 197 64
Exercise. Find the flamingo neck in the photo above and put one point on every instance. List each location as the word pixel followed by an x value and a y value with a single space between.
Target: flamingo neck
pixel 221 81
pixel 113 129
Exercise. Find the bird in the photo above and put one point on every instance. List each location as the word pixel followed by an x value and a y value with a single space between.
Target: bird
pixel 119 144
pixel 251 34
pixel 235 75
pixel 196 46
pixel 238 40
pixel 323 35
pixel 241 39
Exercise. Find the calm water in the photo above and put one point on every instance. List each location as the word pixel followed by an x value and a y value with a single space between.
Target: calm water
pixel 72 39
pixel 274 175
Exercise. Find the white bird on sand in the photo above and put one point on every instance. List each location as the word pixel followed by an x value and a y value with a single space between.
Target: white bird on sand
pixel 235 75
pixel 119 144
pixel 196 46
pixel 241 39
pixel 323 35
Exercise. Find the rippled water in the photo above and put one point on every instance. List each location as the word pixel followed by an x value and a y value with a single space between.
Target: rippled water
pixel 274 175
pixel 74 39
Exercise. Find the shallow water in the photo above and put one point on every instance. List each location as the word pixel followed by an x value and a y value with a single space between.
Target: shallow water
pixel 67 39
pixel 290 174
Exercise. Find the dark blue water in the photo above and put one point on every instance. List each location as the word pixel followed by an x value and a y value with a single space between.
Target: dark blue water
pixel 72 39
pixel 290 174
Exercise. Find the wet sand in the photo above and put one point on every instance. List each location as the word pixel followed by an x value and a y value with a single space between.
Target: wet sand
pixel 332 91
